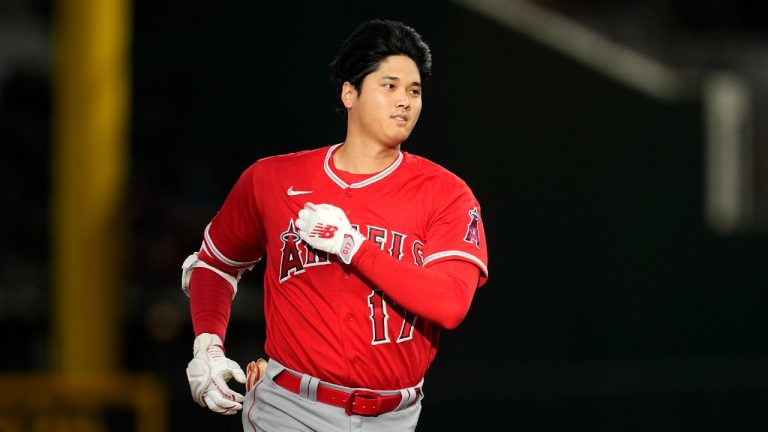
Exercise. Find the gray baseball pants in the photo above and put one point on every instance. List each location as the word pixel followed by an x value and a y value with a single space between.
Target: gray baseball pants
pixel 270 408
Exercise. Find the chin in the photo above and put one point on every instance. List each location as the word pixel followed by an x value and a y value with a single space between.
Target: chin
pixel 397 139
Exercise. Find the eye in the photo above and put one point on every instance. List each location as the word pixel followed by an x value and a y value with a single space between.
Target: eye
pixel 389 86
pixel 416 92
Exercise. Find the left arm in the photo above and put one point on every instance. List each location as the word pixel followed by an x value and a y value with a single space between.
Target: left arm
pixel 440 293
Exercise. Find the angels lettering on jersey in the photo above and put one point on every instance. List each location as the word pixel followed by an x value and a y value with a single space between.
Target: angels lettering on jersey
pixel 296 256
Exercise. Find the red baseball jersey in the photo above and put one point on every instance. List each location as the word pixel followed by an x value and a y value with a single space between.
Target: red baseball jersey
pixel 322 318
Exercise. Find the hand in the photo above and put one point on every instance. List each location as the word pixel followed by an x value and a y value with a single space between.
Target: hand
pixel 327 228
pixel 208 374
pixel 254 372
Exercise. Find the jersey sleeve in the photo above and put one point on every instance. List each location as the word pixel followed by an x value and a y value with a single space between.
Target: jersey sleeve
pixel 235 237
pixel 456 231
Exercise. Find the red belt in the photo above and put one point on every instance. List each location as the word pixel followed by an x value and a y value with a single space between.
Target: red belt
pixel 360 402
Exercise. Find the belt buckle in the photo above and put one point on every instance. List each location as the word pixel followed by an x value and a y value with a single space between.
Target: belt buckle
pixel 368 403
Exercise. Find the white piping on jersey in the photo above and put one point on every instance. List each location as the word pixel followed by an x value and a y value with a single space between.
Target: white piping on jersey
pixel 193 262
pixel 363 183
pixel 219 255
pixel 468 256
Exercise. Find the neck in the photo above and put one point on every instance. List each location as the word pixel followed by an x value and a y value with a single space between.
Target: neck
pixel 359 157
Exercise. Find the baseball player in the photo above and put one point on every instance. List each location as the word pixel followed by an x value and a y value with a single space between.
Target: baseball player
pixel 370 252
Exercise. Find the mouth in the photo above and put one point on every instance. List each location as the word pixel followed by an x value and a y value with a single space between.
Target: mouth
pixel 400 119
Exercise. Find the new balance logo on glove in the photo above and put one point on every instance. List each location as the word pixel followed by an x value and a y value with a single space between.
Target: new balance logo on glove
pixel 323 231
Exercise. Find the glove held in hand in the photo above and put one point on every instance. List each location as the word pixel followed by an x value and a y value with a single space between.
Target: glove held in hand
pixel 326 227
pixel 208 373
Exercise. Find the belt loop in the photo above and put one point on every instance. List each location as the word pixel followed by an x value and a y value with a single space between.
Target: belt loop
pixel 314 383
pixel 308 387
pixel 304 386
pixel 407 397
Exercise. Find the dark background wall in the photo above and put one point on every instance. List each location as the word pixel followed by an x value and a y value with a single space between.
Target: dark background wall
pixel 611 305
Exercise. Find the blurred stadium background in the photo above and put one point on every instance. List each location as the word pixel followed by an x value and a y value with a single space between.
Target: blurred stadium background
pixel 619 149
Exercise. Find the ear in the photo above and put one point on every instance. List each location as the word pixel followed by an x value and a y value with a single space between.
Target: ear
pixel 348 94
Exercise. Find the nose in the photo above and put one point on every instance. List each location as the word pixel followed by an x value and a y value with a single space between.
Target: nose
pixel 403 101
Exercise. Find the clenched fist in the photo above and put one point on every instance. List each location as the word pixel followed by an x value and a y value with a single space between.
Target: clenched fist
pixel 326 227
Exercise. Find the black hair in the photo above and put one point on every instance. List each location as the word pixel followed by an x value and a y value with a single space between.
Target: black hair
pixel 370 44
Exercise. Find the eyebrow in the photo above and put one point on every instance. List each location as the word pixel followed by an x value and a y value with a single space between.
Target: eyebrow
pixel 394 78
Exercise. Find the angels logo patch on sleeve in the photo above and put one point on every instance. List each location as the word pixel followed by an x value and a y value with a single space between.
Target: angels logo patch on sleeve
pixel 473 230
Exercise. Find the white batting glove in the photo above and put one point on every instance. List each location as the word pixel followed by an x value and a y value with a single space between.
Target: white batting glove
pixel 327 228
pixel 208 374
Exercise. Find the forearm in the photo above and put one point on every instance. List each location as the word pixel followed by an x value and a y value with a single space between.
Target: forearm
pixel 210 302
pixel 441 293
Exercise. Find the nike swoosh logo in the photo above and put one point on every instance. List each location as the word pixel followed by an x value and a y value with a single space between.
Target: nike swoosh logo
pixel 292 192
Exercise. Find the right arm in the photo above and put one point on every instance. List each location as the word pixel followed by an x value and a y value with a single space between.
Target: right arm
pixel 232 243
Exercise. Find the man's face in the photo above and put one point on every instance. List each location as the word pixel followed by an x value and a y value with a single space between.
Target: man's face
pixel 387 108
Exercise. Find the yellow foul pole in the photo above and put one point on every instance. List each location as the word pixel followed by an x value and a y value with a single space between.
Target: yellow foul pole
pixel 89 162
